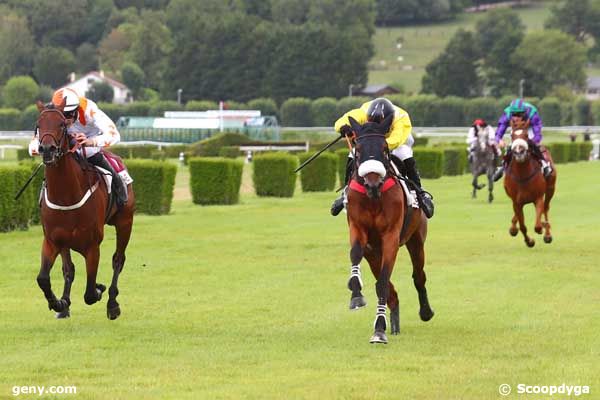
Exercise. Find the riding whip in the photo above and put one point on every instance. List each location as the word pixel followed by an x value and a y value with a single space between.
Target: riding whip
pixel 305 163
pixel 28 181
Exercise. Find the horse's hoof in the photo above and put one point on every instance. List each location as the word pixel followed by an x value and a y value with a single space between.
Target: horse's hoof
pixel 379 337
pixel 538 230
pixel 490 198
pixel 357 302
pixel 513 232
pixel 63 314
pixel 547 239
pixel 426 314
pixel 530 243
pixel 113 313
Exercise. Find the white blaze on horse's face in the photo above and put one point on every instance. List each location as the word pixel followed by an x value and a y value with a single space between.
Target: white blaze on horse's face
pixel 519 149
pixel 371 166
pixel 520 133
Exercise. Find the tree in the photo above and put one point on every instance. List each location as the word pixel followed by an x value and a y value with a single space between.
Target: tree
pixel 454 72
pixel 573 17
pixel 113 48
pixel 95 25
pixel 52 66
pixel 397 12
pixel 100 91
pixel 151 46
pixel 549 58
pixel 133 77
pixel 498 35
pixel 20 92
pixel 58 23
pixel 16 47
pixel 87 58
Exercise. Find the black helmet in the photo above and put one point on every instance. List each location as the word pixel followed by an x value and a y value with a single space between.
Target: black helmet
pixel 379 109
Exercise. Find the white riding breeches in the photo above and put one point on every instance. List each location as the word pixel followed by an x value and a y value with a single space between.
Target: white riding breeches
pixel 89 151
pixel 405 151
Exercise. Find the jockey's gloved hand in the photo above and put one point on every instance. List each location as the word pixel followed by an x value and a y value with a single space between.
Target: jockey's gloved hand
pixel 346 130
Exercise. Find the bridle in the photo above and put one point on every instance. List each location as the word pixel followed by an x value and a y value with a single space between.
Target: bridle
pixel 59 144
pixel 386 151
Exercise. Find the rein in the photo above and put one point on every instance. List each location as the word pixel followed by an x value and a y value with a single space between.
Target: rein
pixel 522 181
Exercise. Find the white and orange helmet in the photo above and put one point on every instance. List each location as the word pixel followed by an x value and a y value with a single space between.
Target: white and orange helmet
pixel 72 99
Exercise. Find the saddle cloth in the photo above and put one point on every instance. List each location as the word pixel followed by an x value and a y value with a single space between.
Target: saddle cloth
pixel 119 168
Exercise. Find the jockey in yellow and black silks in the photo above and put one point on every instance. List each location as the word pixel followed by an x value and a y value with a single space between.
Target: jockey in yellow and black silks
pixel 400 142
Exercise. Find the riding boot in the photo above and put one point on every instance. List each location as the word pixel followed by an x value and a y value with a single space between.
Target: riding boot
pixel 500 170
pixel 425 199
pixel 339 203
pixel 118 186
pixel 537 152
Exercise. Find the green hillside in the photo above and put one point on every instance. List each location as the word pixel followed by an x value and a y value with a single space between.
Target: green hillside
pixel 422 43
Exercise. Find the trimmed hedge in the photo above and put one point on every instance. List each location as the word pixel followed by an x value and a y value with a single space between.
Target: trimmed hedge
pixel 138 151
pixel 550 110
pixel 455 160
pixel 430 162
pixel 201 105
pixel 320 174
pixel 341 166
pixel 14 214
pixel 346 104
pixel 215 180
pixel 296 111
pixel 574 152
pixel 324 111
pixel 229 152
pixel 274 174
pixel 584 150
pixel 482 107
pixel 559 152
pixel 210 147
pixel 10 119
pixel 34 187
pixel 420 141
pixel 265 105
pixel 153 183
pixel 581 111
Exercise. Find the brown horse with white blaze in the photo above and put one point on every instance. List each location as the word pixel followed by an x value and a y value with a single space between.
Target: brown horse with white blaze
pixel 75 206
pixel 380 221
pixel 525 183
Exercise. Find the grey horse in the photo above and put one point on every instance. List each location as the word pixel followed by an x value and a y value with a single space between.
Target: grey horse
pixel 483 161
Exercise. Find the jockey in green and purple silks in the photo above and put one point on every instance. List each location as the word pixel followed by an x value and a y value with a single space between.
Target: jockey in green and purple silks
pixel 524 111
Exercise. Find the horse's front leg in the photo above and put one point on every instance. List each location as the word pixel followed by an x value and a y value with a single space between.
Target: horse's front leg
pixel 490 176
pixel 358 241
pixel 93 290
pixel 474 184
pixel 68 270
pixel 389 247
pixel 518 209
pixel 49 254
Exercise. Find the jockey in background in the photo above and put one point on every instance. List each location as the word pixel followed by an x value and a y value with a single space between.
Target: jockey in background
pixel 399 140
pixel 480 130
pixel 91 127
pixel 522 111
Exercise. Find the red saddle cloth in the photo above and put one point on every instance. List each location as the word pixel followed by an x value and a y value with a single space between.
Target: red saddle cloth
pixel 388 184
pixel 115 161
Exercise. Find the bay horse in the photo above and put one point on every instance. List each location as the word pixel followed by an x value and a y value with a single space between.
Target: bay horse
pixel 75 205
pixel 525 183
pixel 483 163
pixel 380 221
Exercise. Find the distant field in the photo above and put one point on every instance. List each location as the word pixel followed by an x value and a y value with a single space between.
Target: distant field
pixel 422 43
pixel 249 302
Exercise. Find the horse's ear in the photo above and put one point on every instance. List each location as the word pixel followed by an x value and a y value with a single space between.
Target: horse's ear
pixel 387 123
pixel 40 106
pixel 355 125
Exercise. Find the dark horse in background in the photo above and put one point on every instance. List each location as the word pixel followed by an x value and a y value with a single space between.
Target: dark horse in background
pixel 75 205
pixel 380 221
pixel 525 183
pixel 483 163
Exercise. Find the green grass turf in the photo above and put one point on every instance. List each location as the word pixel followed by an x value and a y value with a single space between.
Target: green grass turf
pixel 422 43
pixel 249 301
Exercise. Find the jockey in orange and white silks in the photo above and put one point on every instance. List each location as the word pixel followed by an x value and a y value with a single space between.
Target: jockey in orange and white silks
pixel 85 118
pixel 399 139
pixel 89 126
